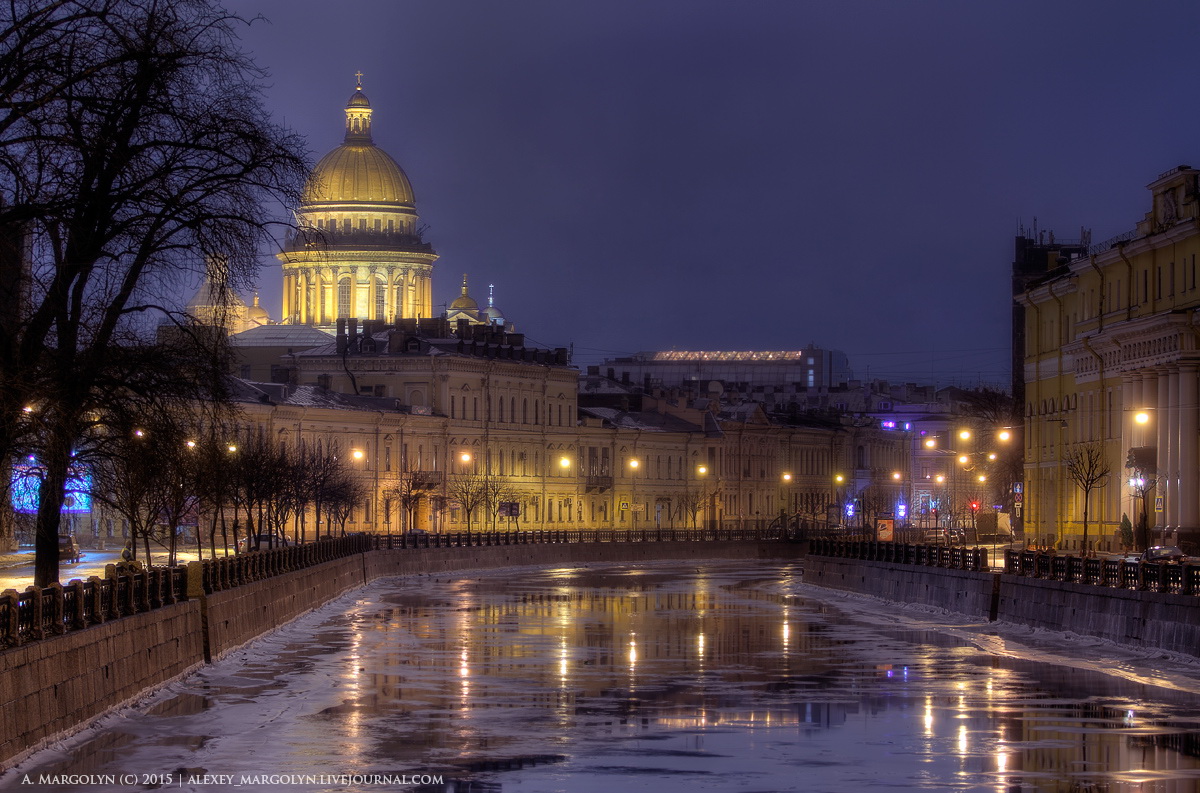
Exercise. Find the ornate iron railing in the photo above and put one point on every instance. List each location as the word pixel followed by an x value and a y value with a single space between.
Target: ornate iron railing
pixel 1181 579
pixel 38 613
pixel 954 558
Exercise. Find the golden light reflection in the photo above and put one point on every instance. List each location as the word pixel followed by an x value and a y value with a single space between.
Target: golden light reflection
pixel 928 716
pixel 962 739
pixel 464 672
pixel 1002 761
pixel 632 651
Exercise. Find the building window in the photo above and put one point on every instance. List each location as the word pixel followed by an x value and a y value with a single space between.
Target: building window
pixel 344 297
pixel 380 294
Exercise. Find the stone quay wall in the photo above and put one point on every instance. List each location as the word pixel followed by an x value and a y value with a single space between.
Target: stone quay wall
pixel 56 685
pixel 52 686
pixel 1162 620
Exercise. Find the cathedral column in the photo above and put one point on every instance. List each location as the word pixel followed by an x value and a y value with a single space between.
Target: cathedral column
pixel 289 284
pixel 1162 439
pixel 389 296
pixel 1189 445
pixel 427 296
pixel 372 290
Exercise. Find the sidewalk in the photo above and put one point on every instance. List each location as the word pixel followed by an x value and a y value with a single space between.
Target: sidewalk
pixel 16 559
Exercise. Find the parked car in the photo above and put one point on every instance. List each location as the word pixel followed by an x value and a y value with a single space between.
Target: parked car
pixel 68 549
pixel 1163 553
pixel 262 542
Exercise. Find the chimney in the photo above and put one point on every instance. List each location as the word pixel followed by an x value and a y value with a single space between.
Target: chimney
pixel 341 336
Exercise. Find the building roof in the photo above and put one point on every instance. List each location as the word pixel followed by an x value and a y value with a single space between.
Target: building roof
pixel 297 337
pixel 647 421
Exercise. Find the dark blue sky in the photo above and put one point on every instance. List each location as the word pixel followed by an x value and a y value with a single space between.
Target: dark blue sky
pixel 750 175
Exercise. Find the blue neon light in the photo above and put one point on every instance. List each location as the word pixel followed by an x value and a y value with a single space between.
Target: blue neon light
pixel 27 480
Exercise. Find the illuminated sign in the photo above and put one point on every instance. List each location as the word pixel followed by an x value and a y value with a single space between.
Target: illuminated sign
pixel 27 480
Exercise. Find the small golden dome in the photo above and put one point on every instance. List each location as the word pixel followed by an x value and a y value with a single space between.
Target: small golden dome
pixel 355 172
pixel 257 314
pixel 464 302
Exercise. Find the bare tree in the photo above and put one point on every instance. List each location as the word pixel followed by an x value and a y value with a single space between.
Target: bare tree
pixel 135 154
pixel 1089 468
pixel 469 490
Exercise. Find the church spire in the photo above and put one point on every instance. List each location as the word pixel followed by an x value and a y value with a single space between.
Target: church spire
pixel 358 115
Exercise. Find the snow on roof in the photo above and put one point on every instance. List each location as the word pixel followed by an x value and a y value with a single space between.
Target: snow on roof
pixel 280 336
pixel 647 421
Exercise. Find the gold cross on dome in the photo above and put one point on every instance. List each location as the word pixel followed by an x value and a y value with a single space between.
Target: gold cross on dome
pixel 359 75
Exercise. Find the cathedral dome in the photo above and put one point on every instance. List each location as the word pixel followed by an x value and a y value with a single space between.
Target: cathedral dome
pixel 354 172
pixel 358 171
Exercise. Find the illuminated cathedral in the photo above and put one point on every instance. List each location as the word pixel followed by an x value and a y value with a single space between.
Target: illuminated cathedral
pixel 358 251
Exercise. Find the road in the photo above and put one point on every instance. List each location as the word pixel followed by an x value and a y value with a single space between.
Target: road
pixel 93 563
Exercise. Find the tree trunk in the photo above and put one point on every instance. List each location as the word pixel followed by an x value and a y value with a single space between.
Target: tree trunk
pixel 51 493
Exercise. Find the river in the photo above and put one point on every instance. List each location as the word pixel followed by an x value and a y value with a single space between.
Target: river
pixel 670 678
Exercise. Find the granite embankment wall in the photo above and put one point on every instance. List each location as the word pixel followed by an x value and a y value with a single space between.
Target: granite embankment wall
pixel 53 686
pixel 49 687
pixel 1145 619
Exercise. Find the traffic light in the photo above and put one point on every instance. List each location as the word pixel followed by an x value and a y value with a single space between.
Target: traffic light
pixel 974 506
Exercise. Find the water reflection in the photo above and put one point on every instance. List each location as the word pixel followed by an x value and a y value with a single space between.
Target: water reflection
pixel 653 678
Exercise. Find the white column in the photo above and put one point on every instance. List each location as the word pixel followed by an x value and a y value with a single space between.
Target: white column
pixel 1172 504
pixel 1189 446
pixel 1162 425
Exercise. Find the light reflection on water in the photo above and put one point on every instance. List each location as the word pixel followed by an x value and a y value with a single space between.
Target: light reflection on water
pixel 665 678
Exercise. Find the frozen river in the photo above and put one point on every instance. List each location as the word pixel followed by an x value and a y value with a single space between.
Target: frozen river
pixel 729 676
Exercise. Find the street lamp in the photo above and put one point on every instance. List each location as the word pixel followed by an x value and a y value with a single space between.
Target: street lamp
pixel 633 466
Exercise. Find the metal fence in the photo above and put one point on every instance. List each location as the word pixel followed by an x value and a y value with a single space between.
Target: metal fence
pixel 954 558
pixel 53 610
pixel 476 539
pixel 39 613
pixel 1183 579
pixel 215 575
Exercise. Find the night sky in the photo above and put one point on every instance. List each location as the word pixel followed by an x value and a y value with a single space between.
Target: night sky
pixel 750 175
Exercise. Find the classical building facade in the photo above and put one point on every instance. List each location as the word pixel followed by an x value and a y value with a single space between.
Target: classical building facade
pixel 358 252
pixel 1111 361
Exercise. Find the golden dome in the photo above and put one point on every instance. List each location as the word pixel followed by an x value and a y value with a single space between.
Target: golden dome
pixel 464 302
pixel 355 172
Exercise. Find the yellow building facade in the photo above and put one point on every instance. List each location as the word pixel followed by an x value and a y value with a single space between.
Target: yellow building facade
pixel 1111 363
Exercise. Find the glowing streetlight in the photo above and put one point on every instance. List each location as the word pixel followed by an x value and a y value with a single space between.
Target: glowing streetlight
pixel 702 469
pixel 634 463
pixel 930 443
pixel 357 454
pixel 787 477
pixel 564 462
pixel 965 435
pixel 1004 435
pixel 896 475
pixel 1141 417
pixel 465 457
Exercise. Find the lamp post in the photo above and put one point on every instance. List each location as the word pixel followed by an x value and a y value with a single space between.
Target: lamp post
pixel 838 481
pixel 633 467
pixel 706 499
